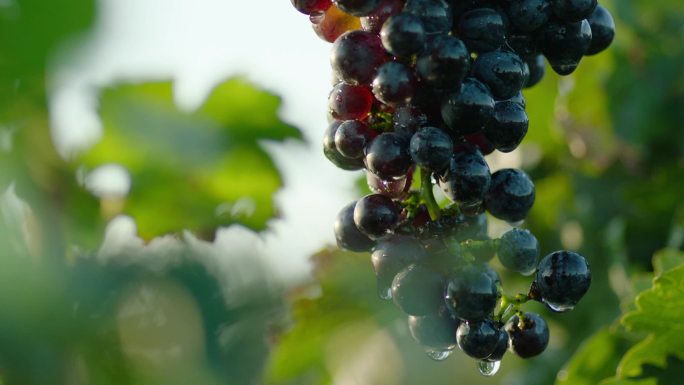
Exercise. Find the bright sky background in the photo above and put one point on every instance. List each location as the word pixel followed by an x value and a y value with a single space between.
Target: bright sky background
pixel 199 43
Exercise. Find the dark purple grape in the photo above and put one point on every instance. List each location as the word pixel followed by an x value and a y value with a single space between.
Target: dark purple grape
pixel 431 148
pixel 502 71
pixel 394 84
pixel 347 102
pixel 357 8
pixel 436 14
pixel 478 339
pixel 524 45
pixel 482 29
pixel 602 30
pixel 393 188
pixel 351 138
pixel 418 290
pixel 407 120
pixel 434 332
pixel 511 195
pixel 388 156
pixel 527 337
pixel 308 7
pixel 403 35
pixel 467 177
pixel 392 255
pixel 468 110
pixel 528 15
pixel 374 21
pixel 519 251
pixel 444 63
pixel 519 98
pixel 573 10
pixel 480 141
pixel 347 234
pixel 330 150
pixel 562 279
pixel 473 227
pixel 376 215
pixel 509 126
pixel 356 55
pixel 564 44
pixel 472 293
pixel 501 347
pixel 537 67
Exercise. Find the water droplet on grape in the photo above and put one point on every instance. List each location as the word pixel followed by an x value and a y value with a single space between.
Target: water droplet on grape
pixel 438 355
pixel 488 368
pixel 559 308
pixel 391 188
pixel 385 293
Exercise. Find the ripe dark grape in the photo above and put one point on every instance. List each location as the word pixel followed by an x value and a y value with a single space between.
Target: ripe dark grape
pixel 467 177
pixel 573 10
pixel 418 290
pixel 519 251
pixel 537 67
pixel 524 45
pixel 528 336
pixel 480 141
pixel 482 29
pixel 511 195
pixel 435 332
pixel 469 109
pixel 308 7
pixel 332 23
pixel 602 30
pixel 431 148
pixel 376 215
pixel 351 138
pixel 394 84
pixel 501 347
pixel 562 279
pixel 356 55
pixel 392 255
pixel 374 21
pixel 403 35
pixel 347 102
pixel 564 44
pixel 444 64
pixel 528 15
pixel 357 7
pixel 472 293
pixel 502 71
pixel 436 14
pixel 478 339
pixel 509 126
pixel 330 150
pixel 519 98
pixel 388 156
pixel 393 188
pixel 347 234
pixel 407 120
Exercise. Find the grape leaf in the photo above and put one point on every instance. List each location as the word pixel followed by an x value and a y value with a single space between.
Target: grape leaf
pixel 595 360
pixel 193 170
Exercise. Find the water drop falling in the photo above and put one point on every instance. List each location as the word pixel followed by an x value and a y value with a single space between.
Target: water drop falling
pixel 559 308
pixel 438 355
pixel 488 368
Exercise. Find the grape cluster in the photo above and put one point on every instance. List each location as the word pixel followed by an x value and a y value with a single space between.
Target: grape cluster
pixel 424 89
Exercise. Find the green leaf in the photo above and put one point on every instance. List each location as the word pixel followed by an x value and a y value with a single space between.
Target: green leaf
pixel 595 360
pixel 193 170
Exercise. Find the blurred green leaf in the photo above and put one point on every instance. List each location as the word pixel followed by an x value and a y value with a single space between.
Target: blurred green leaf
pixel 193 170
pixel 595 360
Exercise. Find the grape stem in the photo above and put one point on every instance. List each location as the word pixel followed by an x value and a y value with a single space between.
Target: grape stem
pixel 426 194
pixel 510 305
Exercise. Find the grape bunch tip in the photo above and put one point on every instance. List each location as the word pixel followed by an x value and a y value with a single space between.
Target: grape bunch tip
pixel 426 89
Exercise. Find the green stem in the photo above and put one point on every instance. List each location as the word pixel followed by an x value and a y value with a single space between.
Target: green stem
pixel 426 194
pixel 510 305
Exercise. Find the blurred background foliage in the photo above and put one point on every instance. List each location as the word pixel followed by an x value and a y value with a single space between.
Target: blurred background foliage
pixel 172 306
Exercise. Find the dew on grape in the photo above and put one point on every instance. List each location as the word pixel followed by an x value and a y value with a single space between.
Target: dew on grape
pixel 488 368
pixel 439 355
pixel 559 308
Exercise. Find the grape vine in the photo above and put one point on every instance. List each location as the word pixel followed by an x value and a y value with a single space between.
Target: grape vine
pixel 426 89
